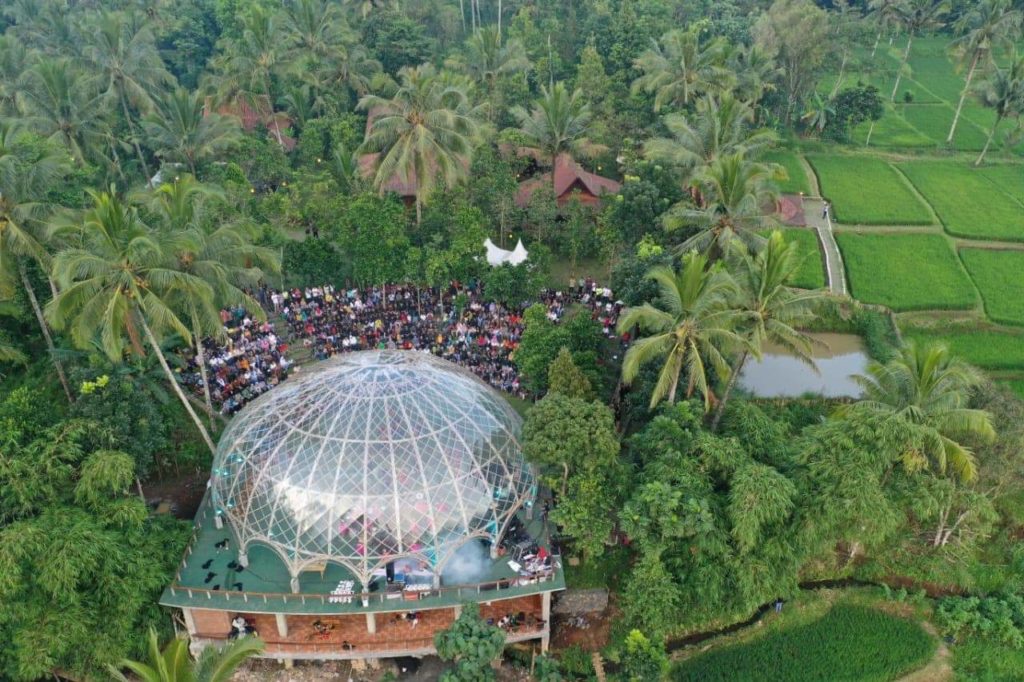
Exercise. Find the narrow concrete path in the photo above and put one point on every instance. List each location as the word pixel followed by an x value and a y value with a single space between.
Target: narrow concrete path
pixel 834 267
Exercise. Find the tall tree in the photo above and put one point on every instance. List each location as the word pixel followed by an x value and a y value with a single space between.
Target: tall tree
pixel 984 27
pixel 884 14
pixel 27 173
pixel 691 324
pixel 220 253
pixel 424 133
pixel 180 129
pixel 914 17
pixel 721 126
pixel 736 200
pixel 114 287
pixel 487 59
pixel 173 663
pixel 772 310
pixel 58 102
pixel 122 53
pixel 928 389
pixel 795 34
pixel 557 124
pixel 1003 92
pixel 680 67
pixel 246 68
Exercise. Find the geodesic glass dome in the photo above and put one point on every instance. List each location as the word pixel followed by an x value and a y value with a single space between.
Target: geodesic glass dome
pixel 371 456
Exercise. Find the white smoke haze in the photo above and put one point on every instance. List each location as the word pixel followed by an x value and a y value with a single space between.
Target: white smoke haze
pixel 468 565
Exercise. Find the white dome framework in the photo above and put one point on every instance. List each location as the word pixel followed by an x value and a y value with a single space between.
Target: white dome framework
pixel 369 457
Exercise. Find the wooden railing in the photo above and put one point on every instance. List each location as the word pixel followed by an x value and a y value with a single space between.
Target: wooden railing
pixel 471 591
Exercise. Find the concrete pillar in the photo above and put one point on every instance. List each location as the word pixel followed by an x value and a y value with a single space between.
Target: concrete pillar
pixel 545 614
pixel 494 548
pixel 295 584
pixel 243 559
pixel 437 581
pixel 458 611
pixel 371 623
pixel 190 622
pixel 289 664
pixel 282 624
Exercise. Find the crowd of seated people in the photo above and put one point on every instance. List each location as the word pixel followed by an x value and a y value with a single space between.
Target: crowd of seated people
pixel 248 362
pixel 457 323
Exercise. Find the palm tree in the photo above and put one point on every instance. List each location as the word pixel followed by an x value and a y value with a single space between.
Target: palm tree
pixel 737 199
pixel 679 68
pixel 688 326
pixel 115 287
pixel 885 14
pixel 313 29
pixel 1002 91
pixel 425 133
pixel 246 67
pixel 916 16
pixel 222 254
pixel 13 64
pixel 819 113
pixel 772 310
pixel 721 126
pixel 929 389
pixel 60 104
pixel 988 25
pixel 26 176
pixel 123 53
pixel 173 664
pixel 755 70
pixel 557 124
pixel 181 130
pixel 487 59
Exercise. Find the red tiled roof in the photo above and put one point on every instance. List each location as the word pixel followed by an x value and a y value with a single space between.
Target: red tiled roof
pixel 254 111
pixel 569 177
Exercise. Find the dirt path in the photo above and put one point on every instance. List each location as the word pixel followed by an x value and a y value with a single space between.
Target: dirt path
pixel 939 669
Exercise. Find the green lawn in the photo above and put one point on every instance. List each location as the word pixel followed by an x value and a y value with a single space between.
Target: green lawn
pixel 999 276
pixel 811 273
pixel 966 201
pixel 905 271
pixel 849 643
pixel 797 181
pixel 868 191
pixel 986 349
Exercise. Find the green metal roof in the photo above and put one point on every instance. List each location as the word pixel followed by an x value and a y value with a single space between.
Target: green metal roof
pixel 265 586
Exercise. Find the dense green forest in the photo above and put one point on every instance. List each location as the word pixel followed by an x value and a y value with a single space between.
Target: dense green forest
pixel 162 162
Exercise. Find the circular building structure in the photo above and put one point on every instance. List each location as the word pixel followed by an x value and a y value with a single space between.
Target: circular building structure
pixel 370 457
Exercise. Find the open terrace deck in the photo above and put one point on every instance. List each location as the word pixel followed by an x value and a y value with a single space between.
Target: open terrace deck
pixel 207 580
pixel 346 636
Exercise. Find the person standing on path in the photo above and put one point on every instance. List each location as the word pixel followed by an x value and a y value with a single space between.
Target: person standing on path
pixel 824 210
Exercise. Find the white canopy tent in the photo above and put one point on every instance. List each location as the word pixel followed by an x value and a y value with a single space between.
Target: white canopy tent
pixel 497 256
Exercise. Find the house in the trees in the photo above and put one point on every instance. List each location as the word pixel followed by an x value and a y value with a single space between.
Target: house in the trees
pixel 569 178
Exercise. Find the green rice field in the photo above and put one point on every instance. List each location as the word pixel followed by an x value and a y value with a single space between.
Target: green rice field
pixel 967 202
pixel 999 276
pixel 867 190
pixel 987 349
pixel 829 648
pixel 797 181
pixel 811 273
pixel 905 271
